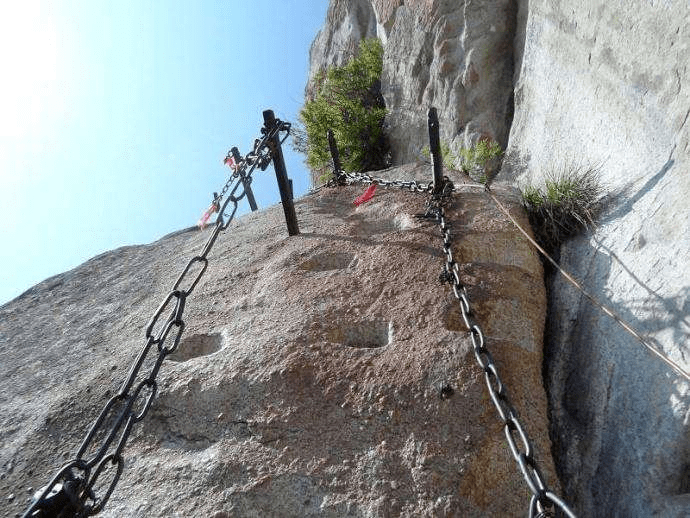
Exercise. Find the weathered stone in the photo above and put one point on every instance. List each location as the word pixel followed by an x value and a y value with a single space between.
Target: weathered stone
pixel 347 23
pixel 325 374
pixel 607 84
pixel 603 84
pixel 458 59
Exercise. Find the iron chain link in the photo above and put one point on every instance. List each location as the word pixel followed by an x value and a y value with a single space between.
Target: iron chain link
pixel 72 490
pixel 543 502
pixel 343 178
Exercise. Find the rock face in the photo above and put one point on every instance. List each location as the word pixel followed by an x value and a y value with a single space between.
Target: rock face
pixel 602 84
pixel 458 59
pixel 607 84
pixel 325 374
pixel 310 379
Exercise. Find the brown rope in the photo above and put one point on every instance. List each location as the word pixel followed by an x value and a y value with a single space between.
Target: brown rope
pixel 592 299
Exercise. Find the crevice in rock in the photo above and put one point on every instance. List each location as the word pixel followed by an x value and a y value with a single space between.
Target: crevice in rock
pixel 553 365
pixel 510 114
pixel 517 32
pixel 515 35
pixel 685 480
pixel 519 27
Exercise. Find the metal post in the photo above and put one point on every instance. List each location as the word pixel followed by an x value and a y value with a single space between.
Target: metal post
pixel 334 153
pixel 246 183
pixel 435 150
pixel 281 175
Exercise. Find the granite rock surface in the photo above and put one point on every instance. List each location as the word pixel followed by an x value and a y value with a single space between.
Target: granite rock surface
pixel 324 374
pixel 594 84
pixel 458 58
pixel 607 85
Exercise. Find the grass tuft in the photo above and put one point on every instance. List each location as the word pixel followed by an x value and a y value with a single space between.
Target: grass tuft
pixel 565 206
pixel 473 160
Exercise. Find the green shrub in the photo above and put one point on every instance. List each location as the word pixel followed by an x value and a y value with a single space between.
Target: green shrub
pixel 473 160
pixel 447 156
pixel 348 100
pixel 565 206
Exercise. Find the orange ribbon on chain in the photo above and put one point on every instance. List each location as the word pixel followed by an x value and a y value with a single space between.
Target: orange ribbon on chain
pixel 368 194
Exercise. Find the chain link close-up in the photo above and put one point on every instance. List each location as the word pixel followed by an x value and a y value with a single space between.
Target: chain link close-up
pixel 343 178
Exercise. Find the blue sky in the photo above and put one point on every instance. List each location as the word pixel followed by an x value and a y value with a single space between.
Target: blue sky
pixel 115 117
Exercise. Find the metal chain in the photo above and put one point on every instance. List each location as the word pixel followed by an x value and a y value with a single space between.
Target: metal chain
pixel 343 178
pixel 71 492
pixel 543 502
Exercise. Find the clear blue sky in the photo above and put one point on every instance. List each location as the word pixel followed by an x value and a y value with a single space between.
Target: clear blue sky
pixel 115 117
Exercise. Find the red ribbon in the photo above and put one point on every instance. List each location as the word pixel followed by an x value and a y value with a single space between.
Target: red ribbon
pixel 368 194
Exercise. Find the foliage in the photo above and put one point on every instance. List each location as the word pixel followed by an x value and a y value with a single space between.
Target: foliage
pixel 532 197
pixel 348 100
pixel 565 206
pixel 472 160
pixel 447 156
pixel 477 156
pixel 299 140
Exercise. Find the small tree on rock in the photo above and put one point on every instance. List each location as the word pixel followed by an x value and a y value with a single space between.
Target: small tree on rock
pixel 348 100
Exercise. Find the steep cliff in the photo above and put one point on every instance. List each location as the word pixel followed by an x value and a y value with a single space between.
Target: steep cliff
pixel 328 375
pixel 324 374
pixel 608 84
pixel 458 59
pixel 603 84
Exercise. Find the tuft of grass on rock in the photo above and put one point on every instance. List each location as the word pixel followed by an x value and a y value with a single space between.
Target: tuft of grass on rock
pixel 473 160
pixel 565 206
pixel 476 158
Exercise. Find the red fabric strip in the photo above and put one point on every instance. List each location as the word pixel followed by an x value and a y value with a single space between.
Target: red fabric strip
pixel 368 194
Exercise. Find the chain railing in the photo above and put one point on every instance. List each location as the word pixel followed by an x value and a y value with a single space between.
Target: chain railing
pixel 73 490
pixel 344 178
pixel 544 503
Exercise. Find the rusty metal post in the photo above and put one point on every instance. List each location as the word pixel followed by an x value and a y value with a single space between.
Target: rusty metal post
pixel 435 150
pixel 335 155
pixel 246 183
pixel 281 175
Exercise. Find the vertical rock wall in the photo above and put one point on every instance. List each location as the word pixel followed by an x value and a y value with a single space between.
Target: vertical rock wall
pixel 607 84
pixel 597 83
pixel 455 56
pixel 347 23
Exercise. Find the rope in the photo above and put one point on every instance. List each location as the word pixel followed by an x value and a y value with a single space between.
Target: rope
pixel 610 312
